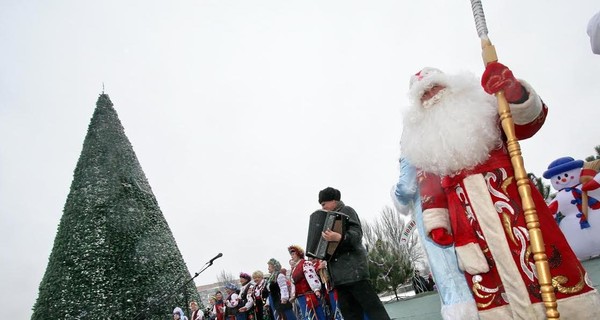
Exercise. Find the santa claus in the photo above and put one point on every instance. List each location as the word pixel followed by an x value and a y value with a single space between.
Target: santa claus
pixel 469 194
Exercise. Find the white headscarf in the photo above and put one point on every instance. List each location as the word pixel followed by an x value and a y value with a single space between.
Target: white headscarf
pixel 180 312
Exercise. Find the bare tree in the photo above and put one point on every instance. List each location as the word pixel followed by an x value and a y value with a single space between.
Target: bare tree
pixel 391 261
pixel 226 277
pixel 388 228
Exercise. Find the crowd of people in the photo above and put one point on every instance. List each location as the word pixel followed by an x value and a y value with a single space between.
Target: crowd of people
pixel 314 289
pixel 303 292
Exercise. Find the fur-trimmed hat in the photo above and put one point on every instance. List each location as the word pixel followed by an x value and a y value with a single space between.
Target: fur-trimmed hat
pixel 297 249
pixel 246 276
pixel 329 194
pixel 422 74
pixel 561 165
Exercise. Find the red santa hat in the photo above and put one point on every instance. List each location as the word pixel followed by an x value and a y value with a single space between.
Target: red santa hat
pixel 423 74
pixel 424 80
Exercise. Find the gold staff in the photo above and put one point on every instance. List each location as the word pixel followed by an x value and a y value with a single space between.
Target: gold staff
pixel 514 150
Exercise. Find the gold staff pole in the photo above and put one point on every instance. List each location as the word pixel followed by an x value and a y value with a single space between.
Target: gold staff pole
pixel 514 150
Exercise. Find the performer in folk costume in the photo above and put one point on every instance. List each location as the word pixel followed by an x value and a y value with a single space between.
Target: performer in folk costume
pixel 246 298
pixel 455 295
pixel 178 314
pixel 307 285
pixel 335 312
pixel 197 314
pixel 328 299
pixel 579 224
pixel 469 194
pixel 210 312
pixel 290 283
pixel 279 293
pixel 231 302
pixel 219 306
pixel 260 293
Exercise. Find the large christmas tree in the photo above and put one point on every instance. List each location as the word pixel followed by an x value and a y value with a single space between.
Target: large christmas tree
pixel 114 256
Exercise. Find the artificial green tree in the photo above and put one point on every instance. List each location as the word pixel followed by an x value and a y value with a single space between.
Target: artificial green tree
pixel 114 256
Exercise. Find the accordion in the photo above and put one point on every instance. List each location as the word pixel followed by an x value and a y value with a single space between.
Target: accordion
pixel 321 220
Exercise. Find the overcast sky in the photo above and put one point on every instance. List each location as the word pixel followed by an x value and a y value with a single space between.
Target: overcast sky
pixel 240 111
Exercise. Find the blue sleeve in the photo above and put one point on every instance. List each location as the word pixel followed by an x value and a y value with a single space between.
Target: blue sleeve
pixel 406 188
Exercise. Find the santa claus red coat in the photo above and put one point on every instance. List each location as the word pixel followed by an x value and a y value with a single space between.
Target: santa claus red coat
pixel 481 207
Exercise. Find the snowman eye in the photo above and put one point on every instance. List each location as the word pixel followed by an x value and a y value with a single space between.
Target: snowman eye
pixel 566 175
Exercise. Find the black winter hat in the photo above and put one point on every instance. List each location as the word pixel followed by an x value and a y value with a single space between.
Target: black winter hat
pixel 329 194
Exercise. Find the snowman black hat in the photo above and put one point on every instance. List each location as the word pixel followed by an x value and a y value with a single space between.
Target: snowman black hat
pixel 561 165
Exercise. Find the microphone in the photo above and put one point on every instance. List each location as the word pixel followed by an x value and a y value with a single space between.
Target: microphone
pixel 215 258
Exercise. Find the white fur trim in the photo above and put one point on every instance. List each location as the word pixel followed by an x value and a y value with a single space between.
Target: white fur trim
pixel 471 259
pixel 580 307
pixel 503 312
pixel 529 110
pixel 460 311
pixel 436 218
pixel 493 231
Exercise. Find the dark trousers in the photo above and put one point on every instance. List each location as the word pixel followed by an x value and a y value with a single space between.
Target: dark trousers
pixel 358 299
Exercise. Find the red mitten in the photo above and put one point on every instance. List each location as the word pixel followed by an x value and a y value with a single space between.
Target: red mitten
pixel 441 237
pixel 498 77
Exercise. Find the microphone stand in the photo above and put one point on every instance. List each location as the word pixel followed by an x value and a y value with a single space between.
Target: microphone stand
pixel 142 314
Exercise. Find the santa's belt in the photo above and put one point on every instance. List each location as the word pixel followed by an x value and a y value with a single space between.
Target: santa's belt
pixel 498 159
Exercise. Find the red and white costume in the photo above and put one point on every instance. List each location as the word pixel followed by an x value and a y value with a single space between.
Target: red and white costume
pixel 480 206
pixel 305 278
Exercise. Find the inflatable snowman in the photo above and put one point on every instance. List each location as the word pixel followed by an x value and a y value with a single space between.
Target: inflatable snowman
pixel 576 206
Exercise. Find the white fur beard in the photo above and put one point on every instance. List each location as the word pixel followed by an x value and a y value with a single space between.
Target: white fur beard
pixel 456 133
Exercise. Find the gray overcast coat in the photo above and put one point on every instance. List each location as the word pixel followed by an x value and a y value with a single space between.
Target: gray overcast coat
pixel 348 263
